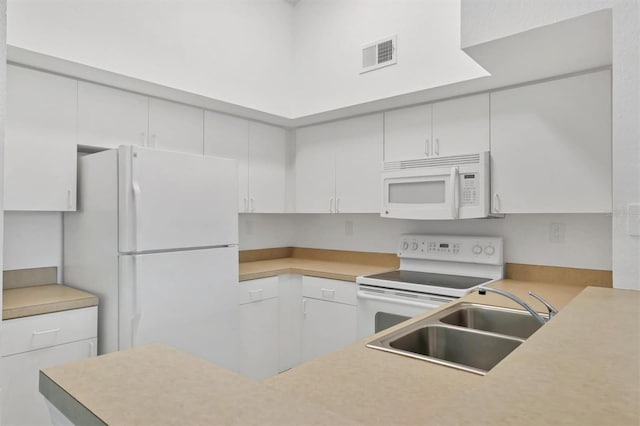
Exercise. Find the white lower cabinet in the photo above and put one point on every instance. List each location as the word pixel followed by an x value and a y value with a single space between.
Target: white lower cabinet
pixel 259 352
pixel 289 319
pixel 38 342
pixel 329 316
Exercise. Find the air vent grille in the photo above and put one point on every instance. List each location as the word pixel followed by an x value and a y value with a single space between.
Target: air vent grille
pixel 454 160
pixel 378 54
pixel 385 51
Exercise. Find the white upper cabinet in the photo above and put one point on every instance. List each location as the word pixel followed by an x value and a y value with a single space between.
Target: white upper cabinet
pixel 338 166
pixel 456 126
pixel 461 126
pixel 175 127
pixel 551 146
pixel 228 137
pixel 407 133
pixel 261 153
pixel 359 164
pixel 267 168
pixel 110 117
pixel 315 169
pixel 40 147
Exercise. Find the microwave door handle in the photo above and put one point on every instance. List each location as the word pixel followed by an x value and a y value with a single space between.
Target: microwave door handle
pixel 455 203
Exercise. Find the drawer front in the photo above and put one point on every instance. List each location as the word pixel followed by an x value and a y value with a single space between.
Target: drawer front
pixel 41 331
pixel 326 289
pixel 260 289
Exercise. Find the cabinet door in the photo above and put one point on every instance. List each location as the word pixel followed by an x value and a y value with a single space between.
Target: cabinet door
pixel 22 403
pixel 407 133
pixel 358 148
pixel 327 326
pixel 461 126
pixel 110 117
pixel 315 169
pixel 259 339
pixel 551 146
pixel 175 127
pixel 267 168
pixel 40 148
pixel 290 321
pixel 227 136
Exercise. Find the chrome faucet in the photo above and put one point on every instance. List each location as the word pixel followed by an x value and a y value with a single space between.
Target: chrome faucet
pixel 551 310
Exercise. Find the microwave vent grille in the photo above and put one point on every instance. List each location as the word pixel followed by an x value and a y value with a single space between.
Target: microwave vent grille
pixel 450 161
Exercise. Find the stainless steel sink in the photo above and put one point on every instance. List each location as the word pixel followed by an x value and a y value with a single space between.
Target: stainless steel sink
pixel 466 336
pixel 511 322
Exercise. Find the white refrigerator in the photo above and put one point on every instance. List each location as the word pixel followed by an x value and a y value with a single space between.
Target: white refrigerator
pixel 155 238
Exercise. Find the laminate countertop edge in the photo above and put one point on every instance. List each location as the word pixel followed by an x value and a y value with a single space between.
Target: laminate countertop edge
pixel 43 299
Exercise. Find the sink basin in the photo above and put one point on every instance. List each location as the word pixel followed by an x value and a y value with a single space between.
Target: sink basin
pixel 466 336
pixel 460 348
pixel 495 320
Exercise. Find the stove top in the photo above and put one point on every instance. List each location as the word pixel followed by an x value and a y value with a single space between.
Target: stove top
pixel 424 282
pixel 458 282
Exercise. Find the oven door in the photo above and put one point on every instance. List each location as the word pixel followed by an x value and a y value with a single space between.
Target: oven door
pixel 379 309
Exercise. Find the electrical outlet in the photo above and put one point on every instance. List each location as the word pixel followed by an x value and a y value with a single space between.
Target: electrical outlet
pixel 556 232
pixel 348 228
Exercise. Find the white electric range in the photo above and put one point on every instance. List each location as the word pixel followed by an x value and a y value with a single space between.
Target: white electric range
pixel 434 270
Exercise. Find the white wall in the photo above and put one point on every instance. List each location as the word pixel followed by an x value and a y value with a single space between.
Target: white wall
pixel 3 114
pixel 260 54
pixel 32 240
pixel 258 231
pixel 237 51
pixel 587 239
pixel 328 35
pixel 486 20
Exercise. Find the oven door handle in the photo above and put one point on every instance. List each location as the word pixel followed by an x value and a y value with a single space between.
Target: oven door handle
pixel 426 304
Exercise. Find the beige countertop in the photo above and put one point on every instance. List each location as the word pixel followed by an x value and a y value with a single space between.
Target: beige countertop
pixel 43 299
pixel 337 270
pixel 581 368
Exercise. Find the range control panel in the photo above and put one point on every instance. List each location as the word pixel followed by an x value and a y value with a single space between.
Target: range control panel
pixel 452 248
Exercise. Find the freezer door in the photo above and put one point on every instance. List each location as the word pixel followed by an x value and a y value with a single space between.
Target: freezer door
pixel 170 200
pixel 187 299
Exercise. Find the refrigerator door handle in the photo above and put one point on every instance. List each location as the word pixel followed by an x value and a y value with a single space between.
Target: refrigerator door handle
pixel 134 225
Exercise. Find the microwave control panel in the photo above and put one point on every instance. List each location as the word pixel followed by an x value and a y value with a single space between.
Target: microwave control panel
pixel 469 190
pixel 487 250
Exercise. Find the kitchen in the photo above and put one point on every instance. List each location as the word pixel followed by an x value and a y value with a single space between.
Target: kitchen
pixel 595 241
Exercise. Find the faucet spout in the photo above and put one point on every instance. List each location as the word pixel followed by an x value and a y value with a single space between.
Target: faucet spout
pixel 483 290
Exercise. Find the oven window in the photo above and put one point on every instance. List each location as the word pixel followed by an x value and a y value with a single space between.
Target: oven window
pixel 385 320
pixel 430 192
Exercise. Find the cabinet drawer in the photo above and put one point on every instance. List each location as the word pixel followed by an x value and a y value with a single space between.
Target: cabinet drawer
pixel 260 289
pixel 326 289
pixel 40 331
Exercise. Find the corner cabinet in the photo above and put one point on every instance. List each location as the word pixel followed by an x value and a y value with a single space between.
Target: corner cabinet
pixel 38 342
pixel 455 126
pixel 551 146
pixel 329 316
pixel 261 152
pixel 40 145
pixel 338 166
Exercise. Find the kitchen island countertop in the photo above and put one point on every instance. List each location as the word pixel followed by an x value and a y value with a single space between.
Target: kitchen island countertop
pixel 580 368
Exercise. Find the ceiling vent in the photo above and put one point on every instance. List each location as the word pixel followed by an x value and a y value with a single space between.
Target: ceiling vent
pixel 379 54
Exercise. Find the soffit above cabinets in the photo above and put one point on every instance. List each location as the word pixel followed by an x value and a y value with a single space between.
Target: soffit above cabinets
pixel 573 45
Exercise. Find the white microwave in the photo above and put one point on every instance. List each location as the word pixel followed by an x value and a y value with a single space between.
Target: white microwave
pixel 452 187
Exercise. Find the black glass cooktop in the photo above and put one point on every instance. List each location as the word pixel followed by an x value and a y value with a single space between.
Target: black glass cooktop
pixel 459 282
